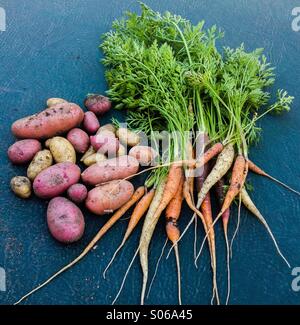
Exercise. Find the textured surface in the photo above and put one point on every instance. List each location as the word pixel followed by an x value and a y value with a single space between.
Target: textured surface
pixel 50 50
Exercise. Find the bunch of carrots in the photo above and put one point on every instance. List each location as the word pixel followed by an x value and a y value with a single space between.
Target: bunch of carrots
pixel 170 76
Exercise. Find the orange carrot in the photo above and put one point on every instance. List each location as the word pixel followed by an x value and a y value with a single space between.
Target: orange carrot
pixel 112 220
pixel 172 215
pixel 138 212
pixel 257 170
pixel 238 177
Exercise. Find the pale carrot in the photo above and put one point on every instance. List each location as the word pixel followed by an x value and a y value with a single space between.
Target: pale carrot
pixel 151 220
pixel 138 212
pixel 248 203
pixel 112 220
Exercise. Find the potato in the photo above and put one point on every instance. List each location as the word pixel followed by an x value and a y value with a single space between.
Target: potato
pixel 21 186
pixel 88 153
pixel 65 220
pixel 108 197
pixel 79 140
pixel 128 137
pixel 143 154
pixel 122 151
pixel 23 151
pixel 97 103
pixel 90 122
pixel 56 179
pixel 42 160
pixel 94 158
pixel 48 123
pixel 111 169
pixel 62 150
pixel 107 127
pixel 105 143
pixel 54 101
pixel 77 193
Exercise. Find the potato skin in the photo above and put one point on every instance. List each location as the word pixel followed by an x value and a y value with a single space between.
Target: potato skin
pixel 107 127
pixel 90 122
pixel 105 143
pixel 42 160
pixel 52 121
pixel 65 220
pixel 56 179
pixel 111 169
pixel 97 104
pixel 62 150
pixel 77 193
pixel 128 137
pixel 94 158
pixel 108 197
pixel 21 152
pixel 79 139
pixel 122 151
pixel 54 101
pixel 143 154
pixel 21 186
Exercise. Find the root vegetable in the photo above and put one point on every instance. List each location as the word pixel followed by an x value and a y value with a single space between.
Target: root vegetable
pixel 97 104
pixel 56 179
pixel 21 186
pixel 90 122
pixel 79 140
pixel 62 150
pixel 128 137
pixel 77 193
pixel 54 101
pixel 52 121
pixel 65 220
pixel 21 152
pixel 42 160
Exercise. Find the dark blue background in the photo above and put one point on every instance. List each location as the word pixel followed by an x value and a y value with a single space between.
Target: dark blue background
pixel 50 49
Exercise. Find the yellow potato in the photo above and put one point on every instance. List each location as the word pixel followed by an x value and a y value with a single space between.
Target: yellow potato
pixel 88 153
pixel 62 150
pixel 107 127
pixel 21 186
pixel 54 101
pixel 128 137
pixel 95 157
pixel 122 150
pixel 42 160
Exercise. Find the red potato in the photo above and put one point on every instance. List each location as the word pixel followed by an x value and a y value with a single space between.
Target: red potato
pixel 22 152
pixel 48 123
pixel 90 122
pixel 108 197
pixel 56 179
pixel 111 169
pixel 79 139
pixel 97 104
pixel 65 220
pixel 77 193
pixel 143 154
pixel 106 143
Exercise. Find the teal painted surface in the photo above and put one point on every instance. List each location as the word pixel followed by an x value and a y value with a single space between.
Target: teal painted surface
pixel 50 49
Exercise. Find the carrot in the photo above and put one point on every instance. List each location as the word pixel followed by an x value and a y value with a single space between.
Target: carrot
pixel 138 212
pixel 225 219
pixel 172 215
pixel 223 163
pixel 112 220
pixel 248 203
pixel 169 190
pixel 257 170
pixel 238 177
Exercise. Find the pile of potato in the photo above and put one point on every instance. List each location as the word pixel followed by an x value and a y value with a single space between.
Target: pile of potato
pixel 51 141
